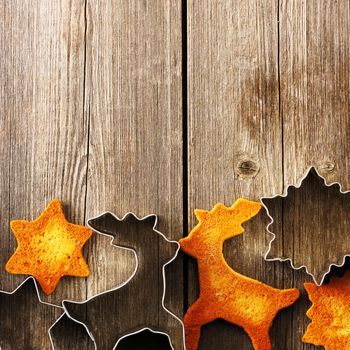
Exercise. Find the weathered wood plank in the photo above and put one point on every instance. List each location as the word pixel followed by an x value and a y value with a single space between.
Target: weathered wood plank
pixel 134 104
pixel 314 66
pixel 315 87
pixel 44 131
pixel 126 126
pixel 235 134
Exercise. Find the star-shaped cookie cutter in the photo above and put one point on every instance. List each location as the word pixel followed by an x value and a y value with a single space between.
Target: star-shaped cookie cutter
pixel 67 303
pixel 299 183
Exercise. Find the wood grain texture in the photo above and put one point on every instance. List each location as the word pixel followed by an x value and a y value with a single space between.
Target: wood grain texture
pixel 14 330
pixel 235 42
pixel 314 56
pixel 99 77
pixel 315 101
pixel 91 113
pixel 67 334
pixel 42 123
pixel 137 304
pixel 134 104
pixel 235 134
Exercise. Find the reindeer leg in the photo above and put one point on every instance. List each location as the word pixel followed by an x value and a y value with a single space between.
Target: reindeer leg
pixel 196 316
pixel 260 338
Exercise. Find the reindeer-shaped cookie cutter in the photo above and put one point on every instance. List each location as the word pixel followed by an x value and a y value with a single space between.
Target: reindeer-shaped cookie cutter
pixel 66 303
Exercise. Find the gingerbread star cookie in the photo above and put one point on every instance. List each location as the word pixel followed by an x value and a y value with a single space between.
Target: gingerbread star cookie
pixel 224 293
pixel 330 314
pixel 49 248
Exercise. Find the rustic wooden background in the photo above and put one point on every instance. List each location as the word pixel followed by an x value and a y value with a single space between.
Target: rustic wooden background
pixel 165 106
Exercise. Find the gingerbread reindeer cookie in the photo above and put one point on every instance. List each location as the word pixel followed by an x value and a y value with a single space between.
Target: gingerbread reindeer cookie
pixel 225 293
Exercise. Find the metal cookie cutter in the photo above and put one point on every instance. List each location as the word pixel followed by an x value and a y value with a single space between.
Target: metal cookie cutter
pixel 68 334
pixel 12 322
pixel 313 230
pixel 103 315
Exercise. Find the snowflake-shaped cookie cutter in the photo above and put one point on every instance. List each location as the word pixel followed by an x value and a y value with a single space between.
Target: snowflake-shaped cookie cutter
pixel 284 194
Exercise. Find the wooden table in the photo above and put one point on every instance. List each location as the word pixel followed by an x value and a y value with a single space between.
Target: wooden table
pixel 162 107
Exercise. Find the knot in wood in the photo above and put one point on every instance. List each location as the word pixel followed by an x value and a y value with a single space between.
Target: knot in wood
pixel 327 167
pixel 247 168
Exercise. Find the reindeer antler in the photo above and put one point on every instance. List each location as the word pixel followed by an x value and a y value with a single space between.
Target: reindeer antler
pixel 223 219
pixel 218 224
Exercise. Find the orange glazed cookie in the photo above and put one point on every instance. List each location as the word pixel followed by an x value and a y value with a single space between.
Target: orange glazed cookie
pixel 49 247
pixel 330 314
pixel 225 293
